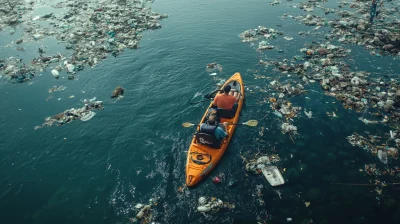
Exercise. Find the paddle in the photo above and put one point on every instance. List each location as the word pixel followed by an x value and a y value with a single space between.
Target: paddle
pixel 208 97
pixel 212 94
pixel 192 103
pixel 251 123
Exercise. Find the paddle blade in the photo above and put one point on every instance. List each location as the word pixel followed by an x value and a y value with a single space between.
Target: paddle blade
pixel 212 94
pixel 187 124
pixel 252 123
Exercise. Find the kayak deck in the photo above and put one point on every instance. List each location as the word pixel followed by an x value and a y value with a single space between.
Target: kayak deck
pixel 201 159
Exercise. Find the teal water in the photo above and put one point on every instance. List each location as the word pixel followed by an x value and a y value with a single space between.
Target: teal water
pixel 135 149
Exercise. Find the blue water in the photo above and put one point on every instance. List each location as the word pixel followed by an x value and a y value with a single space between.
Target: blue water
pixel 135 149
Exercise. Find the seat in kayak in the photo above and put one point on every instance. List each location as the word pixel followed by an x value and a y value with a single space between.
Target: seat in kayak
pixel 208 140
pixel 224 113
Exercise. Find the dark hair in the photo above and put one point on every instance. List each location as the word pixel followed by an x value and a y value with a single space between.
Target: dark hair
pixel 211 120
pixel 227 88
pixel 234 83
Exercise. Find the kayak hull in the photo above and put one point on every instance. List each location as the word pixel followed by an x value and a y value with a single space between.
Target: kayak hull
pixel 196 172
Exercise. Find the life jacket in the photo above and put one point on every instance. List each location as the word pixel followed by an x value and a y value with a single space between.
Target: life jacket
pixel 208 129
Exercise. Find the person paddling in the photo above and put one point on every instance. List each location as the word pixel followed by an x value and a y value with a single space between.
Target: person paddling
pixel 211 127
pixel 226 100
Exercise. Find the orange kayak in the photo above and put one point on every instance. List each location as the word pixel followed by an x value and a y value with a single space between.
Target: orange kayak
pixel 202 159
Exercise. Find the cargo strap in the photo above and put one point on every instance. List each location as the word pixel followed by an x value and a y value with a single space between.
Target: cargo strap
pixel 200 158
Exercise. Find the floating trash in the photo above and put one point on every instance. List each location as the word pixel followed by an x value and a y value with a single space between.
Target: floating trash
pixel 382 156
pixel 89 115
pixel 57 89
pixel 273 175
pixel 288 128
pixel 109 34
pixel 308 114
pixel 288 38
pixel 72 114
pixel 213 67
pixel 55 73
pixel 119 91
pixel 212 205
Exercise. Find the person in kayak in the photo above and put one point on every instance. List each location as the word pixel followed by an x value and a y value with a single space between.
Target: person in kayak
pixel 210 127
pixel 226 100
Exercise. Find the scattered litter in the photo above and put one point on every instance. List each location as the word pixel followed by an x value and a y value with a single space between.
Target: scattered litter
pixel 382 156
pixel 276 2
pixel 213 67
pixel 73 114
pixel 180 189
pixel 288 38
pixel 288 128
pixel 92 29
pixel 57 89
pixel 119 91
pixel 255 165
pixel 55 73
pixel 232 183
pixel 141 213
pixel 273 175
pixel 308 114
pixel 212 205
pixel 216 180
pixel 88 115
pixel 333 114
pixel 261 32
pixel 278 114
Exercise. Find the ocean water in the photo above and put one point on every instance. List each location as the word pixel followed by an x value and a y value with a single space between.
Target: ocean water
pixel 135 149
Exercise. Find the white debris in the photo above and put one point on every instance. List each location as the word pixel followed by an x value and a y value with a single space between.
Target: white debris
pixel 355 81
pixel 392 134
pixel 70 67
pixel 212 205
pixel 140 214
pixel 89 115
pixel 139 206
pixel 308 114
pixel 202 200
pixel 55 73
pixel 288 38
pixel 382 156
pixel 263 160
pixel 287 128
